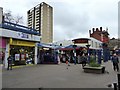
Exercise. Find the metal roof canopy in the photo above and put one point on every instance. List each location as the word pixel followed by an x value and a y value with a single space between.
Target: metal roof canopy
pixel 52 46
pixel 71 47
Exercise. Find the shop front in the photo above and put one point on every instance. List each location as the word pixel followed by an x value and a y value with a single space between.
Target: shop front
pixel 23 52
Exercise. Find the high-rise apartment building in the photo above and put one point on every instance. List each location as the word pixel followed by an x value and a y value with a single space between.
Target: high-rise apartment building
pixel 40 18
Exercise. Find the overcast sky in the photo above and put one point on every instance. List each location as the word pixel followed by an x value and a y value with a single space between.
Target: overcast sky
pixel 72 18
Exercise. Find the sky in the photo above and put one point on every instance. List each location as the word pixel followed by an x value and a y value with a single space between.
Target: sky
pixel 72 18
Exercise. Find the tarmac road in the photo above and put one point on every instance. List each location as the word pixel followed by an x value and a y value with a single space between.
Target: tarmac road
pixel 57 76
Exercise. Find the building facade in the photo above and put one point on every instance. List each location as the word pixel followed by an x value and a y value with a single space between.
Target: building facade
pixel 18 41
pixel 100 34
pixel 40 18
pixel 94 43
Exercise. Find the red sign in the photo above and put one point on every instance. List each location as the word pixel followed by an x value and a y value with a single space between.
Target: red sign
pixel 81 41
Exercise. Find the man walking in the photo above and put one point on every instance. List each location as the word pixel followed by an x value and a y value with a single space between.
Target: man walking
pixel 115 62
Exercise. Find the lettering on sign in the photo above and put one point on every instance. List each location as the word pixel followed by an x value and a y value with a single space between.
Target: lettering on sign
pixel 22 35
pixel 81 41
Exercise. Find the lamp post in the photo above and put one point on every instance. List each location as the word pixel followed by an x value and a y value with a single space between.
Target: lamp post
pixel 88 52
pixel 99 56
pixel 74 46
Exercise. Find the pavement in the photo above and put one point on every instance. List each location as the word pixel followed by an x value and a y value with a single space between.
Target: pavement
pixel 57 76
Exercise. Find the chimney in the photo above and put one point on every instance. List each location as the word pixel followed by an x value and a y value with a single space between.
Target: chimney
pixel 97 29
pixel 89 31
pixel 93 29
pixel 106 29
pixel 100 28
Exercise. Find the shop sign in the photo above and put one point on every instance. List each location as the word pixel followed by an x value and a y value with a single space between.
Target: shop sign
pixel 17 57
pixel 23 35
pixel 22 43
pixel 81 41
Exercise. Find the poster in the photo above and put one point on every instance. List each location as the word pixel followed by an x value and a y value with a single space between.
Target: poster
pixel 22 56
pixel 17 57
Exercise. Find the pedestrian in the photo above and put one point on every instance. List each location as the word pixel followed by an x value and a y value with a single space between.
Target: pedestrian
pixel 84 60
pixel 115 62
pixel 67 63
pixel 68 58
pixel 78 58
pixel 58 57
pixel 9 62
pixel 74 59
pixel 3 56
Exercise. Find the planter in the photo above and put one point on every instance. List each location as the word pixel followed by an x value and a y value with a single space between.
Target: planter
pixel 97 70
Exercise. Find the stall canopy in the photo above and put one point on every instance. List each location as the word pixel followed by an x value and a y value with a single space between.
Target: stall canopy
pixel 71 47
pixel 52 46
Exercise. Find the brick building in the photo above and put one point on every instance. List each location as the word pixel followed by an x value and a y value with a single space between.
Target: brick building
pixel 99 34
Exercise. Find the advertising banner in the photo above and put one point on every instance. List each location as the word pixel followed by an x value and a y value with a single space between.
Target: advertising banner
pixel 17 57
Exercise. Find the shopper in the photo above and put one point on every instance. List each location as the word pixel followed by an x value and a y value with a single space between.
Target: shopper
pixel 10 59
pixel 66 63
pixel 115 62
pixel 84 60
pixel 68 58
pixel 78 59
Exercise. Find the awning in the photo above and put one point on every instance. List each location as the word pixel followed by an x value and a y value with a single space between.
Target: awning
pixel 52 46
pixel 71 47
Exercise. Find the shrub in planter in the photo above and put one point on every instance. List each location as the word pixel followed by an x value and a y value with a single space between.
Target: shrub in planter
pixel 94 64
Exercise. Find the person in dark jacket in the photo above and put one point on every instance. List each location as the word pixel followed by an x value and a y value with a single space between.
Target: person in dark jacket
pixel 115 62
pixel 10 59
pixel 84 60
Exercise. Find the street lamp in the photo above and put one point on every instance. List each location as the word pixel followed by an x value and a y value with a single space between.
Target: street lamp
pixel 74 46
pixel 88 52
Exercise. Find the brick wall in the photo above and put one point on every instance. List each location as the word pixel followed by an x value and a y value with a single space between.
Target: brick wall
pixel 99 34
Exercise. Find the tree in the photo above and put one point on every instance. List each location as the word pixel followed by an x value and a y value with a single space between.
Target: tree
pixel 14 19
pixel 18 19
pixel 8 16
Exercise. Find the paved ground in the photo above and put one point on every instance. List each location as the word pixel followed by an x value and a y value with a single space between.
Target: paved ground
pixel 57 76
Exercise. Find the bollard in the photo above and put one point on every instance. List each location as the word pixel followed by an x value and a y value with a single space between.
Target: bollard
pixel 115 86
pixel 118 81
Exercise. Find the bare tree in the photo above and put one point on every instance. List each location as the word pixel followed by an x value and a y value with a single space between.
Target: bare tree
pixel 8 16
pixel 14 19
pixel 18 19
